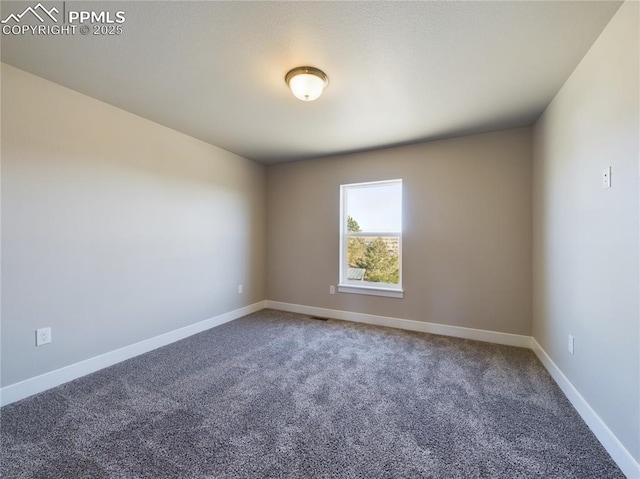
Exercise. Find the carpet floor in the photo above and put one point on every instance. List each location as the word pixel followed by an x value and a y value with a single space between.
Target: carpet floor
pixel 275 395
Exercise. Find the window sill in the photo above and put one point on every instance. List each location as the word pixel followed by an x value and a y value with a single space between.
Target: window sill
pixel 371 291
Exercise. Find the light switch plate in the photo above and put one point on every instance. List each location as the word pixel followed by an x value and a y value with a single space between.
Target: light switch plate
pixel 606 177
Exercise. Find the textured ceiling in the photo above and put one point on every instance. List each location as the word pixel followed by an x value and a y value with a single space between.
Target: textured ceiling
pixel 400 72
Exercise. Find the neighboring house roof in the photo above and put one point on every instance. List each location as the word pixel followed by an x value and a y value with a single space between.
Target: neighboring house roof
pixel 356 273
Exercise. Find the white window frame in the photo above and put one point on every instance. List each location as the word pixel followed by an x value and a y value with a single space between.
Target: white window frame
pixel 357 287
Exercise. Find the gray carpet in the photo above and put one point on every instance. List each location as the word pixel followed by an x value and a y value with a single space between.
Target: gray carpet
pixel 282 395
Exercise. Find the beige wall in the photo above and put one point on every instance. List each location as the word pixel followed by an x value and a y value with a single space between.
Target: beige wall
pixel 467 231
pixel 115 229
pixel 586 238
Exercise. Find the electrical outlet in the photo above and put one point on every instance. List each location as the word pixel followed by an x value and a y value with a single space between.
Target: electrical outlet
pixel 43 336
pixel 332 289
pixel 606 177
pixel 240 289
pixel 570 344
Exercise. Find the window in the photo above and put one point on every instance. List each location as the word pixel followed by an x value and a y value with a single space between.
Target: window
pixel 371 238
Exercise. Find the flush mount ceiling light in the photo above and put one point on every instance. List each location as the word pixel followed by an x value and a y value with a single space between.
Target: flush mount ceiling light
pixel 306 83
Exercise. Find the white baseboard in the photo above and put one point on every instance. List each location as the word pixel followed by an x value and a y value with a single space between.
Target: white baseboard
pixel 408 324
pixel 31 386
pixel 614 447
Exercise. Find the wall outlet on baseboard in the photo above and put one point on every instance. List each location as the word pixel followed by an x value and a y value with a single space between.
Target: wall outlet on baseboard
pixel 43 336
pixel 332 289
pixel 240 289
pixel 570 344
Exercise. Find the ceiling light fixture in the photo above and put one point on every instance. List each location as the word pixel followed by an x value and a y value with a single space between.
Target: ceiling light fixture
pixel 306 83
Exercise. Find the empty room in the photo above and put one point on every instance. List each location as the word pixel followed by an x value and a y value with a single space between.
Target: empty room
pixel 346 239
